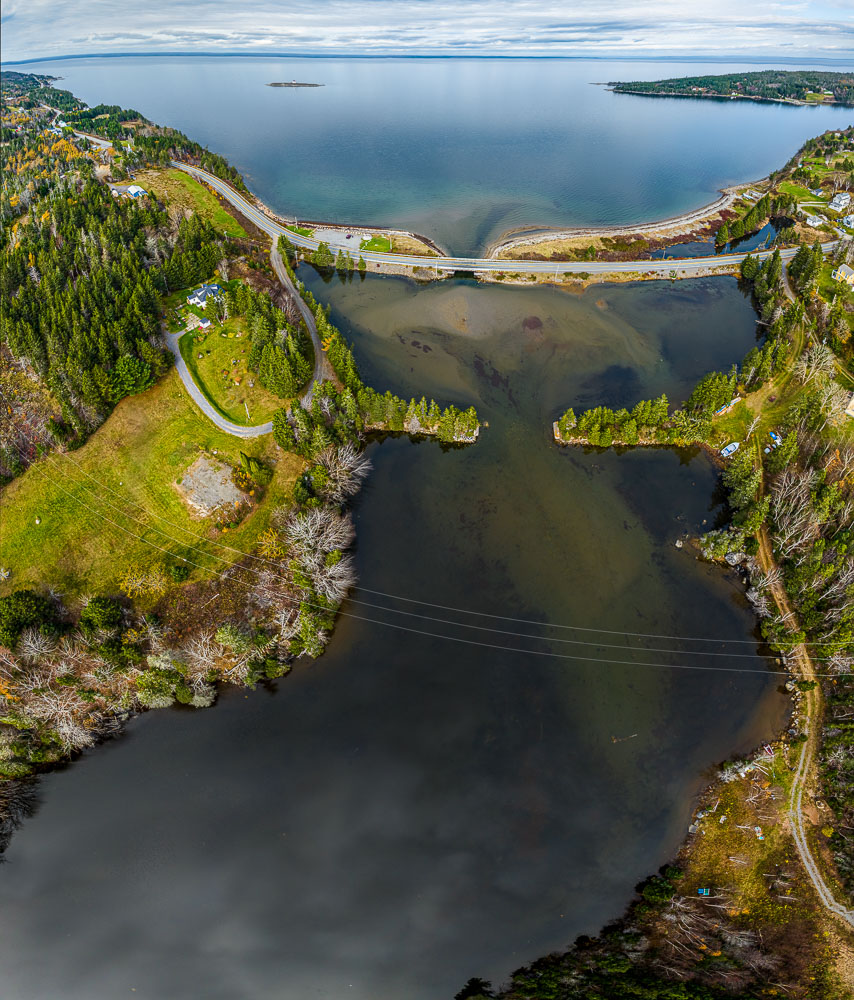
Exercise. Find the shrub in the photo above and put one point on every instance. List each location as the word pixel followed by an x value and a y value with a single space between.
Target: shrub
pixel 139 580
pixel 156 687
pixel 234 639
pixel 23 609
pixel 658 890
pixel 255 469
pixel 101 613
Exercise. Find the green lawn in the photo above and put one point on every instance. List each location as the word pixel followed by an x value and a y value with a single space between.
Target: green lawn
pixel 216 371
pixel 181 189
pixel 300 230
pixel 135 457
pixel 378 244
pixel 796 191
pixel 732 426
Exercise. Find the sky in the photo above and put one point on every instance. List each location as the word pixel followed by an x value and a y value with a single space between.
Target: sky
pixel 772 30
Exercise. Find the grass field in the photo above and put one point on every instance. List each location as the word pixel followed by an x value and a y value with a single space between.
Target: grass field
pixel 136 457
pixel 407 245
pixel 181 189
pixel 300 230
pixel 215 374
pixel 796 191
pixel 378 244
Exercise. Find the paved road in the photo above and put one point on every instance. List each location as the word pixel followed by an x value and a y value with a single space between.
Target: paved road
pixel 204 403
pixel 681 266
pixel 97 140
pixel 322 367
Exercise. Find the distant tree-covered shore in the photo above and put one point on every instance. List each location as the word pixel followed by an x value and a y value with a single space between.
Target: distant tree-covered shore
pixel 807 86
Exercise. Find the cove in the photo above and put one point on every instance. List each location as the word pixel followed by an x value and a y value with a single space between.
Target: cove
pixel 409 811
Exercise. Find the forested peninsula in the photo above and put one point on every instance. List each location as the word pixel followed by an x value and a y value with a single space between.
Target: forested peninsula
pixel 150 554
pixel 786 86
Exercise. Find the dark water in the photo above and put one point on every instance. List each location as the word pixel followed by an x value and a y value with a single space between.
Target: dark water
pixel 410 811
pixel 707 248
pixel 460 150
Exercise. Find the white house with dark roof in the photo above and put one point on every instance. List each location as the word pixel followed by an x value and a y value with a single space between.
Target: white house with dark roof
pixel 201 296
pixel 840 201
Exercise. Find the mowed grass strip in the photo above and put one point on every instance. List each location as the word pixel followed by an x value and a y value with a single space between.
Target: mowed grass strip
pixel 183 190
pixel 215 374
pixel 377 244
pixel 140 452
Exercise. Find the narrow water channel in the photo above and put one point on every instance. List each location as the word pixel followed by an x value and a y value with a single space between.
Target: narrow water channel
pixel 410 810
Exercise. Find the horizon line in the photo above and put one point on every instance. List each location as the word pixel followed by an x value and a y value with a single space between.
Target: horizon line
pixel 753 60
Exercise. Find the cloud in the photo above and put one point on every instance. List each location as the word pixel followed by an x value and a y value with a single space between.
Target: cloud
pixel 51 28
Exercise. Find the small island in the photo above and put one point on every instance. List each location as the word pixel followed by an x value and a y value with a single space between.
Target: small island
pixel 293 83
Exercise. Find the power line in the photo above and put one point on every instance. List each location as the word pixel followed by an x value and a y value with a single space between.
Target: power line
pixel 410 614
pixel 398 597
pixel 434 635
pixel 575 628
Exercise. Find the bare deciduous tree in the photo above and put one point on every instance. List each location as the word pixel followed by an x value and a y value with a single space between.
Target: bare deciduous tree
pixel 818 360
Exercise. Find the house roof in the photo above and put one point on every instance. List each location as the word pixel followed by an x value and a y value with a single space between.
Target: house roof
pixel 204 291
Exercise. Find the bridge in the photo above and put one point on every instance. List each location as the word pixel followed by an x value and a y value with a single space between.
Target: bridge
pixel 485 265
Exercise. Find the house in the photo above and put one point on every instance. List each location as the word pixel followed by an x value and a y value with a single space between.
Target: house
pixel 201 295
pixel 752 195
pixel 816 221
pixel 205 324
pixel 127 191
pixel 840 201
pixel 848 220
pixel 849 410
pixel 816 191
pixel 843 273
